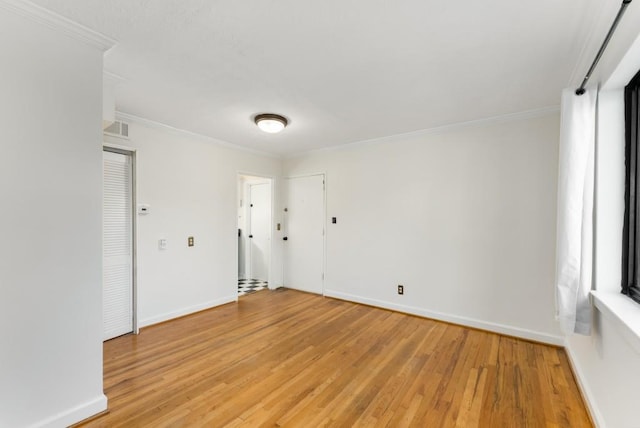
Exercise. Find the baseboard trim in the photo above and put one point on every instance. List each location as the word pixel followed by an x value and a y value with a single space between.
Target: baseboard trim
pixel 75 414
pixel 453 319
pixel 596 416
pixel 186 311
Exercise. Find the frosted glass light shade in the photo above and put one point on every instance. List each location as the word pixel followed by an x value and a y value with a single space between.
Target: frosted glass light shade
pixel 271 123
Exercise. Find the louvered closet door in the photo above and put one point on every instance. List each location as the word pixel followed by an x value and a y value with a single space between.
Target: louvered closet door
pixel 117 281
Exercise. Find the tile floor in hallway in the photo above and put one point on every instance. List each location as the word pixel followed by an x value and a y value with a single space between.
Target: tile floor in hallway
pixel 247 286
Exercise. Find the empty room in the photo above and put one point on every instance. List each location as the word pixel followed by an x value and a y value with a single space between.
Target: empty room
pixel 339 213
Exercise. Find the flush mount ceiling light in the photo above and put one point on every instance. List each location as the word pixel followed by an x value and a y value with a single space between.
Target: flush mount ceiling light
pixel 271 123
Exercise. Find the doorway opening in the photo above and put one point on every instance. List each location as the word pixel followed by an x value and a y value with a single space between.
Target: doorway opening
pixel 254 233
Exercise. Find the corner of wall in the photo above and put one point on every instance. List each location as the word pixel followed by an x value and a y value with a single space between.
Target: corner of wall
pixel 585 391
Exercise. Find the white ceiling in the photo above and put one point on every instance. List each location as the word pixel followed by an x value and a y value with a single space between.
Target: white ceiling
pixel 341 70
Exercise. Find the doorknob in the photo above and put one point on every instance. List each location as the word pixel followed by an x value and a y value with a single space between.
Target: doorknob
pixel 285 238
pixel 250 236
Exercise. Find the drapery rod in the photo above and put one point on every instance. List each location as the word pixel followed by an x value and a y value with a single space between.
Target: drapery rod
pixel 623 8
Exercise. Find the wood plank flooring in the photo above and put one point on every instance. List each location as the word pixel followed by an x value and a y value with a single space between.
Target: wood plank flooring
pixel 286 358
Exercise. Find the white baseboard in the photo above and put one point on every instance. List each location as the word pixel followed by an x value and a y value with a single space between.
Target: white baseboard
pixel 596 416
pixel 186 311
pixel 75 414
pixel 454 319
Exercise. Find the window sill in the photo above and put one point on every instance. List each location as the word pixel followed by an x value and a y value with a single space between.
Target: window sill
pixel 623 312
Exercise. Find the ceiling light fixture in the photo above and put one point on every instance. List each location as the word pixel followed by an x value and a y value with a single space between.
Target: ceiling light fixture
pixel 271 123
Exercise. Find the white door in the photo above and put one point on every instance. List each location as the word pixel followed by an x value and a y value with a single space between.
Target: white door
pixel 259 237
pixel 117 283
pixel 304 246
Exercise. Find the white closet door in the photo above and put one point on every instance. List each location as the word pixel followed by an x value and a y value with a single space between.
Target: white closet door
pixel 303 251
pixel 117 284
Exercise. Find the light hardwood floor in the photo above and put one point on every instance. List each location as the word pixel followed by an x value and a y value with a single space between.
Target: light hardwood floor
pixel 286 358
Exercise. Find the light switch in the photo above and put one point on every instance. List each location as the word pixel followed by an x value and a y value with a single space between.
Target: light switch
pixel 162 244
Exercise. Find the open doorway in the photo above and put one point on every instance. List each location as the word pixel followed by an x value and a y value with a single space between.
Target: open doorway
pixel 254 233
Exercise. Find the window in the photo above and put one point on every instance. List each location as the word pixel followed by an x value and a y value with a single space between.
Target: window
pixel 631 231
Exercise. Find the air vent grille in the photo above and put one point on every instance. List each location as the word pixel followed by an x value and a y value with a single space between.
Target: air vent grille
pixel 118 129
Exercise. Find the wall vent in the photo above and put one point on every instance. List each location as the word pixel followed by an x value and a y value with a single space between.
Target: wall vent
pixel 118 129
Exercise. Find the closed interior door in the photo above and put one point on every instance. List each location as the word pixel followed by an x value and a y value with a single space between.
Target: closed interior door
pixel 259 236
pixel 304 247
pixel 117 281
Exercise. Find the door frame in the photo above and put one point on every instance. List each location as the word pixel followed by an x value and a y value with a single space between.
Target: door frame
pixel 132 153
pixel 323 174
pixel 272 197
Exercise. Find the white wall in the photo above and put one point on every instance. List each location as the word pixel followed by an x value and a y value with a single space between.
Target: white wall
pixel 464 219
pixel 191 185
pixel 51 222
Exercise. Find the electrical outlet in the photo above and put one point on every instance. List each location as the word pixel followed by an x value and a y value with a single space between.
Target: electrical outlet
pixel 400 289
pixel 190 241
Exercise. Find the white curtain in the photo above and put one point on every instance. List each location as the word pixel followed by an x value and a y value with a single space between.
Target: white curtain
pixel 574 247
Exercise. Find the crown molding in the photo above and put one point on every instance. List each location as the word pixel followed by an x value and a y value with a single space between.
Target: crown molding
pixel 528 114
pixel 164 127
pixel 509 117
pixel 111 78
pixel 58 23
